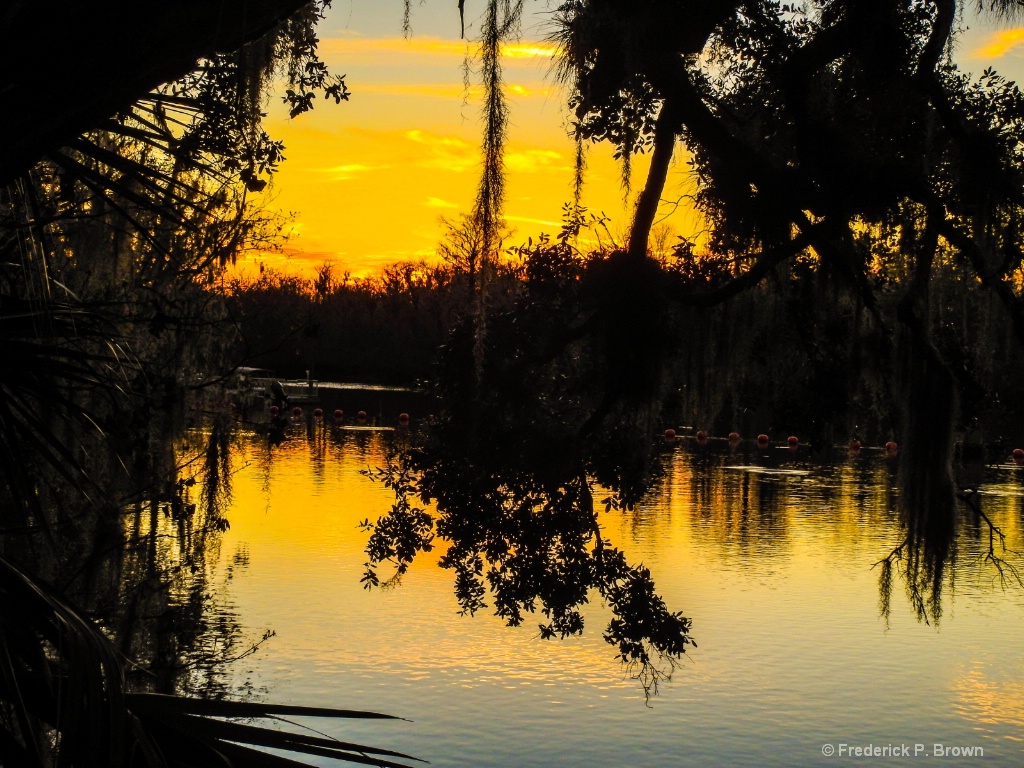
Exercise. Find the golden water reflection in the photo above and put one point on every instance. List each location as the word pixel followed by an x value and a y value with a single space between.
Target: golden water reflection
pixel 770 554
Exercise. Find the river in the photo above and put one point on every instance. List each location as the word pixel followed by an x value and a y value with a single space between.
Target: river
pixel 773 557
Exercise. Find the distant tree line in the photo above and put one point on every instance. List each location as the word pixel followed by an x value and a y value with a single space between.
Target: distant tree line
pixel 381 329
pixel 792 355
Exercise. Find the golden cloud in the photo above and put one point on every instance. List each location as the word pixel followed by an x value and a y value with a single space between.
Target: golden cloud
pixel 450 90
pixel 437 202
pixel 349 172
pixel 527 220
pixel 444 152
pixel 428 46
pixel 432 90
pixel 523 50
pixel 999 44
pixel 534 160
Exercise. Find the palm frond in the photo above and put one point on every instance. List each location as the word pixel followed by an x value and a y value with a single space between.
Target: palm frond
pixel 62 687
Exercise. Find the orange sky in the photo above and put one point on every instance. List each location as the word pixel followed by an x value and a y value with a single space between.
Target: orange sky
pixel 365 182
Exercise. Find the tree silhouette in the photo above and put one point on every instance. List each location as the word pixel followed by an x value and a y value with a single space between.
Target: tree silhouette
pixel 67 67
pixel 834 143
pixel 118 196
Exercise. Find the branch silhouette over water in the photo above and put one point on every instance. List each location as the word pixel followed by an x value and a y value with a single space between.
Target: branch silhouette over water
pixel 926 558
pixel 528 547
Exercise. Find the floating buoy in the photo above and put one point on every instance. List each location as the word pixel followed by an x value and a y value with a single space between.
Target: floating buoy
pixel 702 437
pixel 296 411
pixel 855 446
pixel 793 442
pixel 762 440
pixel 734 438
pixel 274 410
pixel 338 413
pixel 1018 455
pixel 403 419
pixel 318 412
pixel 891 449
pixel 361 417
pixel 670 435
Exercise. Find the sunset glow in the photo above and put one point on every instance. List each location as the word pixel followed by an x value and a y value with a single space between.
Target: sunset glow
pixel 1001 43
pixel 365 183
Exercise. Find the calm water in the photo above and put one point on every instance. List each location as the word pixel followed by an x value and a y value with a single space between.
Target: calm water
pixel 770 556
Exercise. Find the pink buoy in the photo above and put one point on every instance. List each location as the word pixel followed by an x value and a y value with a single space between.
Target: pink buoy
pixel 793 442
pixel 274 410
pixel 338 413
pixel 702 437
pixel 403 419
pixel 762 440
pixel 296 411
pixel 891 449
pixel 855 446
pixel 734 438
pixel 1018 455
pixel 318 412
pixel 670 435
pixel 361 417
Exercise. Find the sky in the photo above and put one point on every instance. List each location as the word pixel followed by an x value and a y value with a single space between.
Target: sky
pixel 365 183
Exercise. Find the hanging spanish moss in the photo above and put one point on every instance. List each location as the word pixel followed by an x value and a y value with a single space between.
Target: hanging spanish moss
pixel 579 169
pixel 501 22
pixel 217 474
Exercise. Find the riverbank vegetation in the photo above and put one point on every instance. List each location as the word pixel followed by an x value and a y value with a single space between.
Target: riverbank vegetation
pixel 794 354
pixel 120 201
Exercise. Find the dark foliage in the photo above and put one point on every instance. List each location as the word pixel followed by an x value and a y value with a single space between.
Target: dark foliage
pixel 63 701
pixel 107 335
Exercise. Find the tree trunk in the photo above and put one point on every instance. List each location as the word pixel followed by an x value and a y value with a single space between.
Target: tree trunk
pixel 665 130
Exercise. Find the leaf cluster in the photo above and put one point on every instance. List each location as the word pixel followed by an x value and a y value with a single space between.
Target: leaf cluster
pixel 62 683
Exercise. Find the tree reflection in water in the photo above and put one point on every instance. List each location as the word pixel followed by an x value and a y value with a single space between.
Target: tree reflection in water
pixel 521 531
pixel 528 431
pixel 926 559
pixel 536 548
pixel 520 517
pixel 565 388
pixel 143 573
pixel 147 685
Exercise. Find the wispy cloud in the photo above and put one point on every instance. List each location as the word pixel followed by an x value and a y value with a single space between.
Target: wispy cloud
pixel 534 160
pixel 349 172
pixel 444 152
pixel 999 44
pixel 451 90
pixel 541 90
pixel 527 50
pixel 431 90
pixel 437 202
pixel 526 220
pixel 429 46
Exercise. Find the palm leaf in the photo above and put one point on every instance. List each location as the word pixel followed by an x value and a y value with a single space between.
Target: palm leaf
pixel 200 721
pixel 62 682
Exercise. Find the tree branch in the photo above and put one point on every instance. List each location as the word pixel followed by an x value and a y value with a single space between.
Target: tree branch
pixel 67 66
